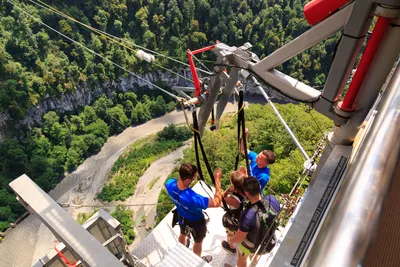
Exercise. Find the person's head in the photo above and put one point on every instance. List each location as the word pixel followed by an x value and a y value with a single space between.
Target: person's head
pixel 187 173
pixel 237 178
pixel 265 158
pixel 251 188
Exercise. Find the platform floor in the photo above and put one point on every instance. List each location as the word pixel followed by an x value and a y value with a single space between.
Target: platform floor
pixel 161 245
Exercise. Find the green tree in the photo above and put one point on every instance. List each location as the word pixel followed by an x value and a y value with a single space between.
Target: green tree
pixel 73 159
pixel 49 119
pixel 89 115
pixel 117 119
pixel 124 216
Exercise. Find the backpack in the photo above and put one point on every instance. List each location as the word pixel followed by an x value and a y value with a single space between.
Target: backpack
pixel 267 211
pixel 230 220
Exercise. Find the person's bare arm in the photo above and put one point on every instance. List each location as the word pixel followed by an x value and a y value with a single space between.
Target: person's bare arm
pixel 238 238
pixel 233 202
pixel 216 201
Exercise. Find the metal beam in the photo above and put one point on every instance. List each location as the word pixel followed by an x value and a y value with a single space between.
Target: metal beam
pixel 311 37
pixel 208 105
pixel 290 86
pixel 79 241
pixel 381 66
pixel 347 51
pixel 226 93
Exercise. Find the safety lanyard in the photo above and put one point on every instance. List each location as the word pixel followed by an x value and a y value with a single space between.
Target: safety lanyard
pixel 242 131
pixel 198 143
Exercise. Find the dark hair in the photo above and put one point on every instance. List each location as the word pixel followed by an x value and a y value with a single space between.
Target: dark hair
pixel 187 171
pixel 237 178
pixel 270 155
pixel 251 186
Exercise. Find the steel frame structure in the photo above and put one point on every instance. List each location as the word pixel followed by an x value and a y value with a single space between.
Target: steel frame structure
pixel 354 19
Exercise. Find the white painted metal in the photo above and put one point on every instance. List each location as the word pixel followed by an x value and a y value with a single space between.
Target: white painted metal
pixel 79 241
pixel 145 56
pixel 290 86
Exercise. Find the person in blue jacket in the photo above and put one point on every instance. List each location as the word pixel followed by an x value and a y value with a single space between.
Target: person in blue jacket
pixel 190 205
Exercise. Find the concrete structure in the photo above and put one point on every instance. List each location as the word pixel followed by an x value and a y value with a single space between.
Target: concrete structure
pixel 82 245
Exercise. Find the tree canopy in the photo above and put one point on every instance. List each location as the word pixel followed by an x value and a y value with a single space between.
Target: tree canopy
pixel 63 142
pixel 36 63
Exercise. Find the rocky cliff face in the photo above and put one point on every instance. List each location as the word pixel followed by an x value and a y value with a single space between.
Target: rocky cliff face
pixel 85 95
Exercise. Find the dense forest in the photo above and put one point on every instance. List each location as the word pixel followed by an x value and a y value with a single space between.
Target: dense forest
pixel 36 63
pixel 265 132
pixel 61 144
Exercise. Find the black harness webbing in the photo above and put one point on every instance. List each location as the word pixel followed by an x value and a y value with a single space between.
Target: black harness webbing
pixel 242 131
pixel 198 143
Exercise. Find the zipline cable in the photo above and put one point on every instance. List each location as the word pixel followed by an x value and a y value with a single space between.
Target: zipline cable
pixel 102 33
pixel 68 205
pixel 91 51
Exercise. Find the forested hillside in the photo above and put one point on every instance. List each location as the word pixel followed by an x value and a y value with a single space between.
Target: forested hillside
pixel 62 143
pixel 36 62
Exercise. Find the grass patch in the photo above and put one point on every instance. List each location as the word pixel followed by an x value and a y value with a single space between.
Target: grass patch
pixel 84 216
pixel 124 216
pixel 153 182
pixel 137 158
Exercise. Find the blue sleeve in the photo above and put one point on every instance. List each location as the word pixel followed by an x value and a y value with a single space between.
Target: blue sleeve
pixel 169 183
pixel 252 156
pixel 247 221
pixel 263 179
pixel 200 201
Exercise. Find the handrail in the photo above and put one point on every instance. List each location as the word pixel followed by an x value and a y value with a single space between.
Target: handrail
pixel 353 219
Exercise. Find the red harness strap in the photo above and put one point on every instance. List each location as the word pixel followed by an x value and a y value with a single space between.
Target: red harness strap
pixel 66 261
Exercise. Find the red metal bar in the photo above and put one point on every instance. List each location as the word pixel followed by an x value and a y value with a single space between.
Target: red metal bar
pixel 65 260
pixel 195 76
pixel 204 49
pixel 366 60
pixel 318 10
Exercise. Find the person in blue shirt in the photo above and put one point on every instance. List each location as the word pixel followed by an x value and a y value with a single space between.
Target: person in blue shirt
pixel 259 165
pixel 190 205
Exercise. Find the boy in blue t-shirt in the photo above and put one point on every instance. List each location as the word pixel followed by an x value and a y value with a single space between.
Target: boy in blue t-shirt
pixel 190 205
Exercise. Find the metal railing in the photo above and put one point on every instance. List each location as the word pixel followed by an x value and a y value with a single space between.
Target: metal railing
pixel 353 219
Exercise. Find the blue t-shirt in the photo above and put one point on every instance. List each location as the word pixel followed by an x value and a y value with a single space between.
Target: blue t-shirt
pixel 189 204
pixel 262 174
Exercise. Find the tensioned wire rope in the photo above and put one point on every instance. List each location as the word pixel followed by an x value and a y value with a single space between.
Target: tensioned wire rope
pixel 111 38
pixel 91 51
pixel 68 205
